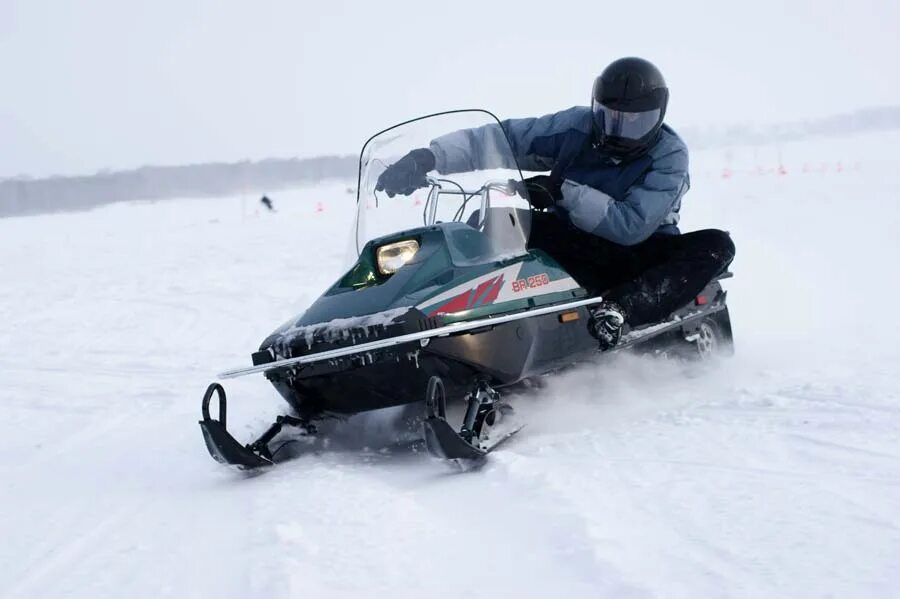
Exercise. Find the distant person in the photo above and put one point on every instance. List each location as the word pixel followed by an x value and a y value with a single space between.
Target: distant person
pixel 265 201
pixel 610 203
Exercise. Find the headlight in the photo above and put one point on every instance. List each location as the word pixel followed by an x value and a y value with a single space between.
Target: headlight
pixel 393 256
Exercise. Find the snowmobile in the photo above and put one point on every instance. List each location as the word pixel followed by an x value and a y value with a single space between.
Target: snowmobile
pixel 443 304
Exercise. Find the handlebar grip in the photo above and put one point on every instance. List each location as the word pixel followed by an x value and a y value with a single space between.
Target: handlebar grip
pixel 519 188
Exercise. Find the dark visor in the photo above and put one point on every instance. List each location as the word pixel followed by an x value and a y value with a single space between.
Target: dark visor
pixel 630 125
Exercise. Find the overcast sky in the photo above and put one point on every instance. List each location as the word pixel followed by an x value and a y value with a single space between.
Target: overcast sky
pixel 92 84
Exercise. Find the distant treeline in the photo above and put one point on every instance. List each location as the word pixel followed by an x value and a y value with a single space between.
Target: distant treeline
pixel 23 196
pixel 32 196
pixel 861 121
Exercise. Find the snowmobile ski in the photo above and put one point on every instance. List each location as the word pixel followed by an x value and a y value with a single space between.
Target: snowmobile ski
pixel 445 443
pixel 226 450
pixel 472 441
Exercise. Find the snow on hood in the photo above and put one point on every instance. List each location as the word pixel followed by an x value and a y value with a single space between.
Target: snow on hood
pixel 342 328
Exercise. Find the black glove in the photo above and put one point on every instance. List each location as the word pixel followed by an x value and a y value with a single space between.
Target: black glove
pixel 407 174
pixel 542 191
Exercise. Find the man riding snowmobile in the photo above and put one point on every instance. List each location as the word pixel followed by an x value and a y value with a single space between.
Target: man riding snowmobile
pixel 612 196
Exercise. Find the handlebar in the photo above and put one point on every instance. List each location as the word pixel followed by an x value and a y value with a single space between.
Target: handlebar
pixel 507 187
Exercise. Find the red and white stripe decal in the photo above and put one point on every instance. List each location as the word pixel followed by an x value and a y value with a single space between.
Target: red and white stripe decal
pixel 499 286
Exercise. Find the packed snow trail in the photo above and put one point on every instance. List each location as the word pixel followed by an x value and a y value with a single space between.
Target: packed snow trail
pixel 776 473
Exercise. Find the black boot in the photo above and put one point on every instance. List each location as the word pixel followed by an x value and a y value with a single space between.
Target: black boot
pixel 606 324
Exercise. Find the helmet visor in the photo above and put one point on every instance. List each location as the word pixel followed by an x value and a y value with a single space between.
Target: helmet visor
pixel 618 123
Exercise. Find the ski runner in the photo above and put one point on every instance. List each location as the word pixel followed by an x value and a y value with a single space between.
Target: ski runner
pixel 610 202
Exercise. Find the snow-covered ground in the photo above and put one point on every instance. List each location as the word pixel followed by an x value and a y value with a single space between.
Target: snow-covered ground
pixel 777 473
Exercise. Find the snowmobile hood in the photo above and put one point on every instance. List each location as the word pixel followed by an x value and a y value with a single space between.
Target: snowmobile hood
pixel 364 302
pixel 431 289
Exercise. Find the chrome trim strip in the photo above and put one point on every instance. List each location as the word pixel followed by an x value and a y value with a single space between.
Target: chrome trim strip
pixel 444 331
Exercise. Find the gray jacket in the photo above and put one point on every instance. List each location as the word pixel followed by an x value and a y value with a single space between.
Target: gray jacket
pixel 622 201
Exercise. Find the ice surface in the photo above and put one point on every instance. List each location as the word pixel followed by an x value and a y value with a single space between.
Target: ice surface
pixel 776 473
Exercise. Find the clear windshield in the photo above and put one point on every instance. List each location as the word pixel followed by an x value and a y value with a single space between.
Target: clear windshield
pixel 461 170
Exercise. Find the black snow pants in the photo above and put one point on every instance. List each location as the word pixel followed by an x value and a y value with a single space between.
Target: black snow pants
pixel 649 280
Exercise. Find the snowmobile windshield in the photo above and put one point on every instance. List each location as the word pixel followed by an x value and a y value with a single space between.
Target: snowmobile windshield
pixel 454 169
pixel 630 125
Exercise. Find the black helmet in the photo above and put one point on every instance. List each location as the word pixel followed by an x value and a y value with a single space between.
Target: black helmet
pixel 629 105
